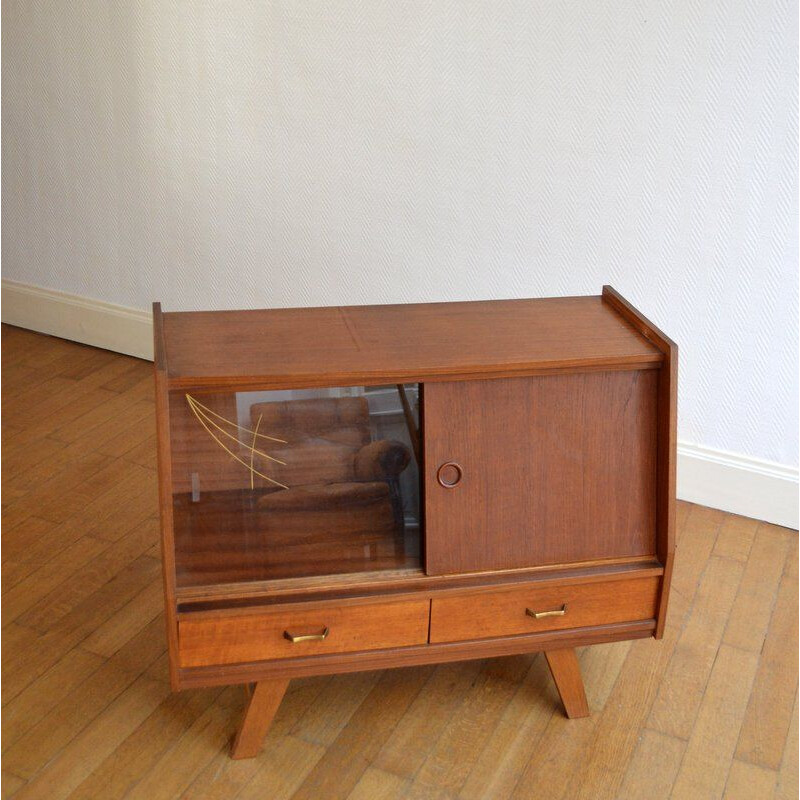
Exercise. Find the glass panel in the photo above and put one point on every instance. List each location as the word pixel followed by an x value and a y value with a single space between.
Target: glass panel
pixel 293 483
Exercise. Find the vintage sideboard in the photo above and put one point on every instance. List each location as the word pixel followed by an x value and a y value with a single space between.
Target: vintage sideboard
pixel 367 487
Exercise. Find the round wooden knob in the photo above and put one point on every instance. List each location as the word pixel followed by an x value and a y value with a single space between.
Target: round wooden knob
pixel 449 474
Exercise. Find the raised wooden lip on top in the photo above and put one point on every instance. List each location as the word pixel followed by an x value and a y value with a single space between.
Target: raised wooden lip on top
pixel 389 344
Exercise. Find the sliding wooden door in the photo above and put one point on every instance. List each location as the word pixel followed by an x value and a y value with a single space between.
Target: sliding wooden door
pixel 556 469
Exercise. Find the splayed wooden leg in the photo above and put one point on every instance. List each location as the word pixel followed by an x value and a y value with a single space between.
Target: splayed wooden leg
pixel 262 703
pixel 567 676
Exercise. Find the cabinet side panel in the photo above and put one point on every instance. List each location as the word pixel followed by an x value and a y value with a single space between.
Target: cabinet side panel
pixel 555 469
pixel 667 439
pixel 167 535
pixel 667 478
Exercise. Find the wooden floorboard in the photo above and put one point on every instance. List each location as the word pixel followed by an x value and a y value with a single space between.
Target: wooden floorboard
pixel 708 712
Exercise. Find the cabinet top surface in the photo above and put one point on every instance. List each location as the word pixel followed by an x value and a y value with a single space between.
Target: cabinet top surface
pixel 395 343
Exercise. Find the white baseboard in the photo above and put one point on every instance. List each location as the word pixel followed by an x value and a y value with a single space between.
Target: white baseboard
pixel 81 319
pixel 739 484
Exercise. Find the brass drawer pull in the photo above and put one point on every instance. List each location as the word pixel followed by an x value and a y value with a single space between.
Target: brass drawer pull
pixel 559 612
pixel 306 637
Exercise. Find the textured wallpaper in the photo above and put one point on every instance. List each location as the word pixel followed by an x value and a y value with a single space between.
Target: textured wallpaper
pixel 233 154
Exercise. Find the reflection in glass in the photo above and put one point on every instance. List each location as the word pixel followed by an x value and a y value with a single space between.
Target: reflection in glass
pixel 280 484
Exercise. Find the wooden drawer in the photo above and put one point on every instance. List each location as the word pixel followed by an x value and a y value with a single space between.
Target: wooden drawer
pixel 504 613
pixel 232 639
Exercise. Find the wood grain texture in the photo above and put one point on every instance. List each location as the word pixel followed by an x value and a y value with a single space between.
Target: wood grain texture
pixel 653 767
pixel 413 655
pixel 543 470
pixel 580 577
pixel 555 469
pixel 263 700
pixel 141 740
pixel 194 451
pixel 225 538
pixel 253 637
pixel 667 432
pixel 165 490
pixel 566 673
pixel 705 766
pixel 504 613
pixel 398 343
pixel 767 720
pixel 675 707
pixel 404 580
pixel 581 447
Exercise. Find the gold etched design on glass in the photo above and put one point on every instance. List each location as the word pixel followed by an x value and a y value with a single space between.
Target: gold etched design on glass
pixel 253 450
pixel 193 401
pixel 204 417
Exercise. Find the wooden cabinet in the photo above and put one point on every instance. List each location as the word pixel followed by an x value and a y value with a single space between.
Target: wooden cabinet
pixel 354 488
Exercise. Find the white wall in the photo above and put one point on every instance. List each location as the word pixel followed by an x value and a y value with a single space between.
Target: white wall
pixel 233 154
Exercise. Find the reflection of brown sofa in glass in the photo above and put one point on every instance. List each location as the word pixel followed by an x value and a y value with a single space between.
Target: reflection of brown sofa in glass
pixel 342 509
pixel 340 481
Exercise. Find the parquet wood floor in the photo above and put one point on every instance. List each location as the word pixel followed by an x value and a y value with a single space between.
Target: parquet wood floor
pixel 709 712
